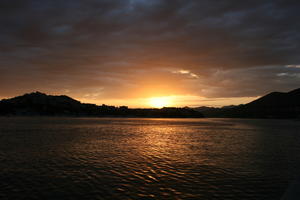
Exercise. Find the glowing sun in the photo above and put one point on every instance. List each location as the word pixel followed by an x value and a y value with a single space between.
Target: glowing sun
pixel 159 102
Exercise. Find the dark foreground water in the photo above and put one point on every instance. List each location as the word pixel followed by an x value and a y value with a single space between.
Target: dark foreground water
pixel 65 158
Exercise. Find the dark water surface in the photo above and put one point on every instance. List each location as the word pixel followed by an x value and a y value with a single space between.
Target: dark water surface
pixel 67 158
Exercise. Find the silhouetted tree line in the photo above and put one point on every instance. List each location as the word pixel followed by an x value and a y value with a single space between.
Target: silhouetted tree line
pixel 39 104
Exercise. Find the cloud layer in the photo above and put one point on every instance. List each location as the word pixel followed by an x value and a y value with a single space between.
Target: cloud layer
pixel 114 49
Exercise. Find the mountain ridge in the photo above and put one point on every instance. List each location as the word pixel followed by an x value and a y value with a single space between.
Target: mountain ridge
pixel 41 104
pixel 272 105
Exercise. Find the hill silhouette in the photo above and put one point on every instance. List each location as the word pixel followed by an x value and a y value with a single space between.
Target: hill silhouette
pixel 40 104
pixel 272 105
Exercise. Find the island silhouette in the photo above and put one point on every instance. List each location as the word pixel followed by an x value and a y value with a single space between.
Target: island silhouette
pixel 40 104
pixel 272 105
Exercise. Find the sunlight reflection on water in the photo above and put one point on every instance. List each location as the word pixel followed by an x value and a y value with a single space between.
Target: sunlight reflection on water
pixel 147 158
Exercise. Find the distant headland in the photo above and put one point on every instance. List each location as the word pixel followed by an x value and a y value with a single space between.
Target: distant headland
pixel 272 105
pixel 40 104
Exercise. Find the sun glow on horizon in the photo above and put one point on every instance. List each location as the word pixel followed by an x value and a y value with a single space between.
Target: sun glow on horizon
pixel 166 101
pixel 159 102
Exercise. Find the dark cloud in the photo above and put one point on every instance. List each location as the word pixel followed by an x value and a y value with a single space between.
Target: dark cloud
pixel 236 48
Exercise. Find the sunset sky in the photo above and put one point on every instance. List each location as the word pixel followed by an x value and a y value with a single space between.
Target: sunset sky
pixel 131 52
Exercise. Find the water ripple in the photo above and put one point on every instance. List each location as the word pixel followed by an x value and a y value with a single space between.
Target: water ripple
pixel 54 158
